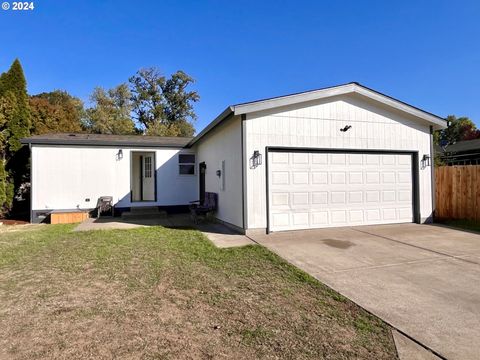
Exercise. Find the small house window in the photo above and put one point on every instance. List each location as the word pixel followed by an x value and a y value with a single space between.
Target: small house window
pixel 186 164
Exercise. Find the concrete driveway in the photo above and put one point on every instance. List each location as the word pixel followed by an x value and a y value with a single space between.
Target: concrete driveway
pixel 422 279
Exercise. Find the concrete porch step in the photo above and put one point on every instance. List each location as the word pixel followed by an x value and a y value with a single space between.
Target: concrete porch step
pixel 144 212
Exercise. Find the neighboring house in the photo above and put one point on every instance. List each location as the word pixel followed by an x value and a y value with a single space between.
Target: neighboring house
pixel 340 156
pixel 461 153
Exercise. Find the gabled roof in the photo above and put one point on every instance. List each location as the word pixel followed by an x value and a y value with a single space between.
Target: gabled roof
pixel 297 98
pixel 108 140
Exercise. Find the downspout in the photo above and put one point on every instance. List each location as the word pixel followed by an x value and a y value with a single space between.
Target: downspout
pixel 432 170
pixel 31 182
pixel 242 121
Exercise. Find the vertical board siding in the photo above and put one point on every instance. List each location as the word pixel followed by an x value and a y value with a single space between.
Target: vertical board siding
pixel 224 144
pixel 458 192
pixel 64 177
pixel 317 124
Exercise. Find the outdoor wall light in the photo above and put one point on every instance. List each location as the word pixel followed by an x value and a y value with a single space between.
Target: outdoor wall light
pixel 346 128
pixel 219 173
pixel 426 161
pixel 120 154
pixel 256 159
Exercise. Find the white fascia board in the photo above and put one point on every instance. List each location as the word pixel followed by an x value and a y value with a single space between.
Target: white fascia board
pixel 292 99
pixel 438 122
pixel 229 110
pixel 435 120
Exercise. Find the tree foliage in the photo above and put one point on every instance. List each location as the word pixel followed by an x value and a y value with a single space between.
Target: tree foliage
pixel 18 123
pixel 14 125
pixel 111 111
pixel 56 112
pixel 163 106
pixel 459 129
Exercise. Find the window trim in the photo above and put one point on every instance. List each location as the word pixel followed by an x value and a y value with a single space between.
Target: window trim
pixel 180 164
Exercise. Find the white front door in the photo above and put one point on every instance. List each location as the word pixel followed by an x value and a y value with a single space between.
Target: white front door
pixel 317 189
pixel 148 177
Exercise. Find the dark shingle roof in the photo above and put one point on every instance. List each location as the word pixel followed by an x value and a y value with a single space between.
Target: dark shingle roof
pixel 108 140
pixel 467 145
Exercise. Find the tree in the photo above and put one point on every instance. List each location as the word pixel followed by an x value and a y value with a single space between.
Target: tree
pixel 163 106
pixel 8 104
pixel 18 123
pixel 111 111
pixel 14 161
pixel 56 112
pixel 459 129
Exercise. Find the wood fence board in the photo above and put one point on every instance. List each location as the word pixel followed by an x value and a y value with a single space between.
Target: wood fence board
pixel 457 190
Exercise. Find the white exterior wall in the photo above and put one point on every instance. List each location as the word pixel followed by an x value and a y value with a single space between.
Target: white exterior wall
pixel 317 125
pixel 64 176
pixel 224 143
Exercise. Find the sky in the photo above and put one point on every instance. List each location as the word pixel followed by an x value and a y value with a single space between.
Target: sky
pixel 426 53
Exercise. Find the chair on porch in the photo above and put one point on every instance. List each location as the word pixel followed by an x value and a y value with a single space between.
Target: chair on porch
pixel 199 209
pixel 104 204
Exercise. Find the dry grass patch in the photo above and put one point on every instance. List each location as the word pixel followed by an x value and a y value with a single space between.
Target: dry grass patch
pixel 157 293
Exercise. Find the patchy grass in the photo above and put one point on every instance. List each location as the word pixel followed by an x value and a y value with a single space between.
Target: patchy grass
pixel 162 293
pixel 464 224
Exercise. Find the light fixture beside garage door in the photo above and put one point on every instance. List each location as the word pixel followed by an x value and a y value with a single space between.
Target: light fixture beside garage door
pixel 256 159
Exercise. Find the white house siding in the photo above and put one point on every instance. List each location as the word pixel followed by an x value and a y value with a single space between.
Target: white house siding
pixel 316 125
pixel 63 177
pixel 224 143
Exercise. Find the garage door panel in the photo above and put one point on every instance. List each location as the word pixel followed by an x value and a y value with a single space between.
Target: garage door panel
pixel 313 190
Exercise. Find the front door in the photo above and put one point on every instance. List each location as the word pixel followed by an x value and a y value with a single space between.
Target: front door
pixel 148 177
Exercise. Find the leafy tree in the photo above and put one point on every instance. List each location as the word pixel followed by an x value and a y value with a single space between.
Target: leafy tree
pixel 56 112
pixel 163 106
pixel 111 111
pixel 458 129
pixel 15 114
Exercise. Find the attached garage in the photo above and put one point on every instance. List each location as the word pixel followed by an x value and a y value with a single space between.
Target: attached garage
pixel 310 189
pixel 345 155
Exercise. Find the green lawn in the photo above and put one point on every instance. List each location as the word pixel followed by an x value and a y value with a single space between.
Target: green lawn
pixel 158 293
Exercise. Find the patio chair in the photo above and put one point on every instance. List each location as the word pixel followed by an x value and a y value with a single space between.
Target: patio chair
pixel 202 210
pixel 104 204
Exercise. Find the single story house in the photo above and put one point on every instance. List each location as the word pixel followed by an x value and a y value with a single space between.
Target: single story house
pixel 339 156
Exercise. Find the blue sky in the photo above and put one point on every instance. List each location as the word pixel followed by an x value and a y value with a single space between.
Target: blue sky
pixel 426 53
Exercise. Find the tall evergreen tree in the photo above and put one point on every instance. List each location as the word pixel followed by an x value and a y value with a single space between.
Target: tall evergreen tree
pixel 15 125
pixel 18 123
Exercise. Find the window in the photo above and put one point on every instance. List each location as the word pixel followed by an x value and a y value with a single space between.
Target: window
pixel 148 166
pixel 186 164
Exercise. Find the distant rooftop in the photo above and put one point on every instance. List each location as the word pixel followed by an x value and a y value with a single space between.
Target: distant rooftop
pixel 108 140
pixel 467 145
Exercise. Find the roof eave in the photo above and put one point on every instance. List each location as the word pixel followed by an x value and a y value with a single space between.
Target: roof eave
pixel 225 113
pixel 30 141
pixel 436 121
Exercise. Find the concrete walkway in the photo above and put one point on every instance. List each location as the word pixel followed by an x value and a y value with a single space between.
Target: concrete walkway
pixel 422 279
pixel 218 234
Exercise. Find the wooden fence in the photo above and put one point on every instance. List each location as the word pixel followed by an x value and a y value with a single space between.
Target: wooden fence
pixel 457 192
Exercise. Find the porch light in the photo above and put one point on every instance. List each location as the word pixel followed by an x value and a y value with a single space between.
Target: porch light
pixel 120 154
pixel 426 160
pixel 256 159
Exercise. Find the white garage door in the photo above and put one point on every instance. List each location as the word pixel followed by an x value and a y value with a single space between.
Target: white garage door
pixel 317 189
